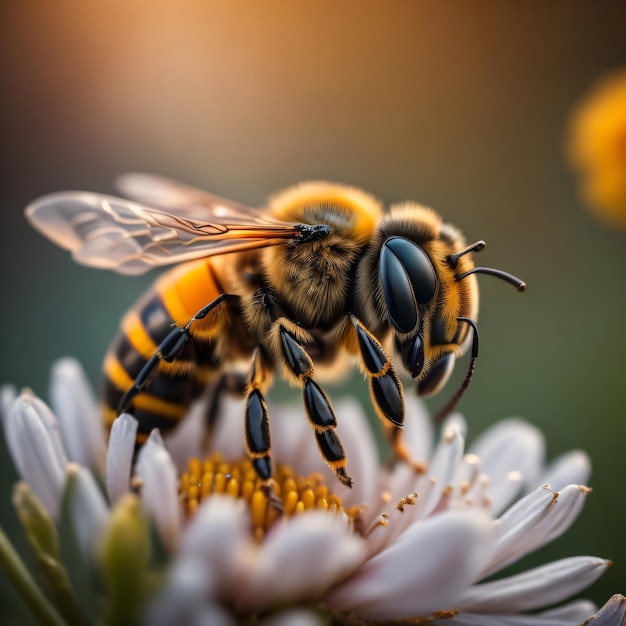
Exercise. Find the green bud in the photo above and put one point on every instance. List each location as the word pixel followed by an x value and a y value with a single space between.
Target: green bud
pixel 44 541
pixel 124 560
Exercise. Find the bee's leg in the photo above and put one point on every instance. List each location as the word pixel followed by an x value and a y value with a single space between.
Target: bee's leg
pixel 386 391
pixel 285 339
pixel 257 428
pixel 167 351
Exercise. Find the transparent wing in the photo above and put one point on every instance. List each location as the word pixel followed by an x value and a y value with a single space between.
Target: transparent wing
pixel 183 200
pixel 132 238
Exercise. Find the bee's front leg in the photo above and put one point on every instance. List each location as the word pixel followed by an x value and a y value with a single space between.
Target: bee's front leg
pixel 386 391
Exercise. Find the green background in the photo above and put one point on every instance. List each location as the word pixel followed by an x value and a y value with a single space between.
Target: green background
pixel 460 105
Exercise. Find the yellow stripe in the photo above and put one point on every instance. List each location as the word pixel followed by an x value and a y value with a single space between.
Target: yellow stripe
pixel 160 408
pixel 196 285
pixel 187 288
pixel 137 336
pixel 118 376
pixel 116 373
pixel 109 415
pixel 171 299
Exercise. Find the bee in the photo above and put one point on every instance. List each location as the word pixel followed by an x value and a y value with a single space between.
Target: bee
pixel 322 274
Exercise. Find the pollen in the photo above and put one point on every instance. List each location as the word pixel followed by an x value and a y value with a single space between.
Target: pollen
pixel 291 494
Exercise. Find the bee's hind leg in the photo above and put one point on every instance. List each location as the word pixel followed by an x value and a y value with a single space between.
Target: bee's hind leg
pixel 167 351
pixel 386 392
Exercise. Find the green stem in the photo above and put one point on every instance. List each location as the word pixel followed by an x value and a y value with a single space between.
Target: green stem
pixel 23 581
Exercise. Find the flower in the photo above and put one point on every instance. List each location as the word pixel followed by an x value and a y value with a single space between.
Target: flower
pixel 398 545
pixel 597 148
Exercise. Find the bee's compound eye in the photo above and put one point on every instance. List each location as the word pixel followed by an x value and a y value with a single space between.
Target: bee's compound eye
pixel 408 279
pixel 413 355
pixel 438 375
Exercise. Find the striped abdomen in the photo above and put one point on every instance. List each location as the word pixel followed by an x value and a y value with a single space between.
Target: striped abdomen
pixel 173 300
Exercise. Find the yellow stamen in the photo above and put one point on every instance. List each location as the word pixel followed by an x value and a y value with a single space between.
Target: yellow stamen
pixel 297 494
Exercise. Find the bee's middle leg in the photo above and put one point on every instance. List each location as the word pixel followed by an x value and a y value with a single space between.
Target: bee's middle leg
pixel 285 338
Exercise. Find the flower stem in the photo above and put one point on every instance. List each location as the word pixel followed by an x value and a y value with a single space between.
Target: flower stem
pixel 23 581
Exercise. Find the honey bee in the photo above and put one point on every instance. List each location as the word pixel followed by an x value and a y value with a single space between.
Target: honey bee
pixel 320 274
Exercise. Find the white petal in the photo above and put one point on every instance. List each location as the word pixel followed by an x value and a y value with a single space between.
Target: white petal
pixel 35 446
pixel 293 443
pixel 566 615
pixel 160 489
pixel 613 613
pixel 418 436
pixel 430 486
pixel 8 395
pixel 533 521
pixel 423 571
pixel 219 534
pixel 537 587
pixel 418 428
pixel 88 509
pixel 361 451
pixel 185 441
pixel 192 439
pixel 404 478
pixel 120 456
pixel 444 466
pixel 507 450
pixel 571 613
pixel 471 485
pixel 300 558
pixel 571 468
pixel 228 436
pixel 74 404
pixel 294 617
pixel 185 598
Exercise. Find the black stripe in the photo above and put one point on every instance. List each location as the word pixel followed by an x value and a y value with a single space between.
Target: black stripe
pixel 176 389
pixel 132 361
pixel 179 389
pixel 205 353
pixel 110 394
pixel 148 421
pixel 155 318
pixel 127 355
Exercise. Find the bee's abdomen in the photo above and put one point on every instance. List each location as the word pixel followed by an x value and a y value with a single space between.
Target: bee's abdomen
pixel 173 300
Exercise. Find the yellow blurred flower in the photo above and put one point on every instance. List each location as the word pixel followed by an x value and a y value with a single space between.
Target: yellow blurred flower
pixel 597 148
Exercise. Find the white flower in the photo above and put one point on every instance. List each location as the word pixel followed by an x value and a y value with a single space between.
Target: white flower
pixel 424 558
pixel 398 545
pixel 33 439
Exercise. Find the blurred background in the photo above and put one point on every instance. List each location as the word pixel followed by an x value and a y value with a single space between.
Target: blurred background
pixel 461 106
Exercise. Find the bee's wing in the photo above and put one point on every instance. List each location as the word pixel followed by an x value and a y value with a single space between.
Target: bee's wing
pixel 183 200
pixel 132 238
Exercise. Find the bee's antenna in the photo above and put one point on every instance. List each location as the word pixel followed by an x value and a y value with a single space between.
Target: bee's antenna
pixel 453 259
pixel 509 278
pixel 445 410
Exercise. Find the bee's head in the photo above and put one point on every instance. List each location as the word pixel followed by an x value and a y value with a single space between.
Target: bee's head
pixel 416 281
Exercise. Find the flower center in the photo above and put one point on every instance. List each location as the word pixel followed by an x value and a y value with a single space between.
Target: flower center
pixel 239 480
